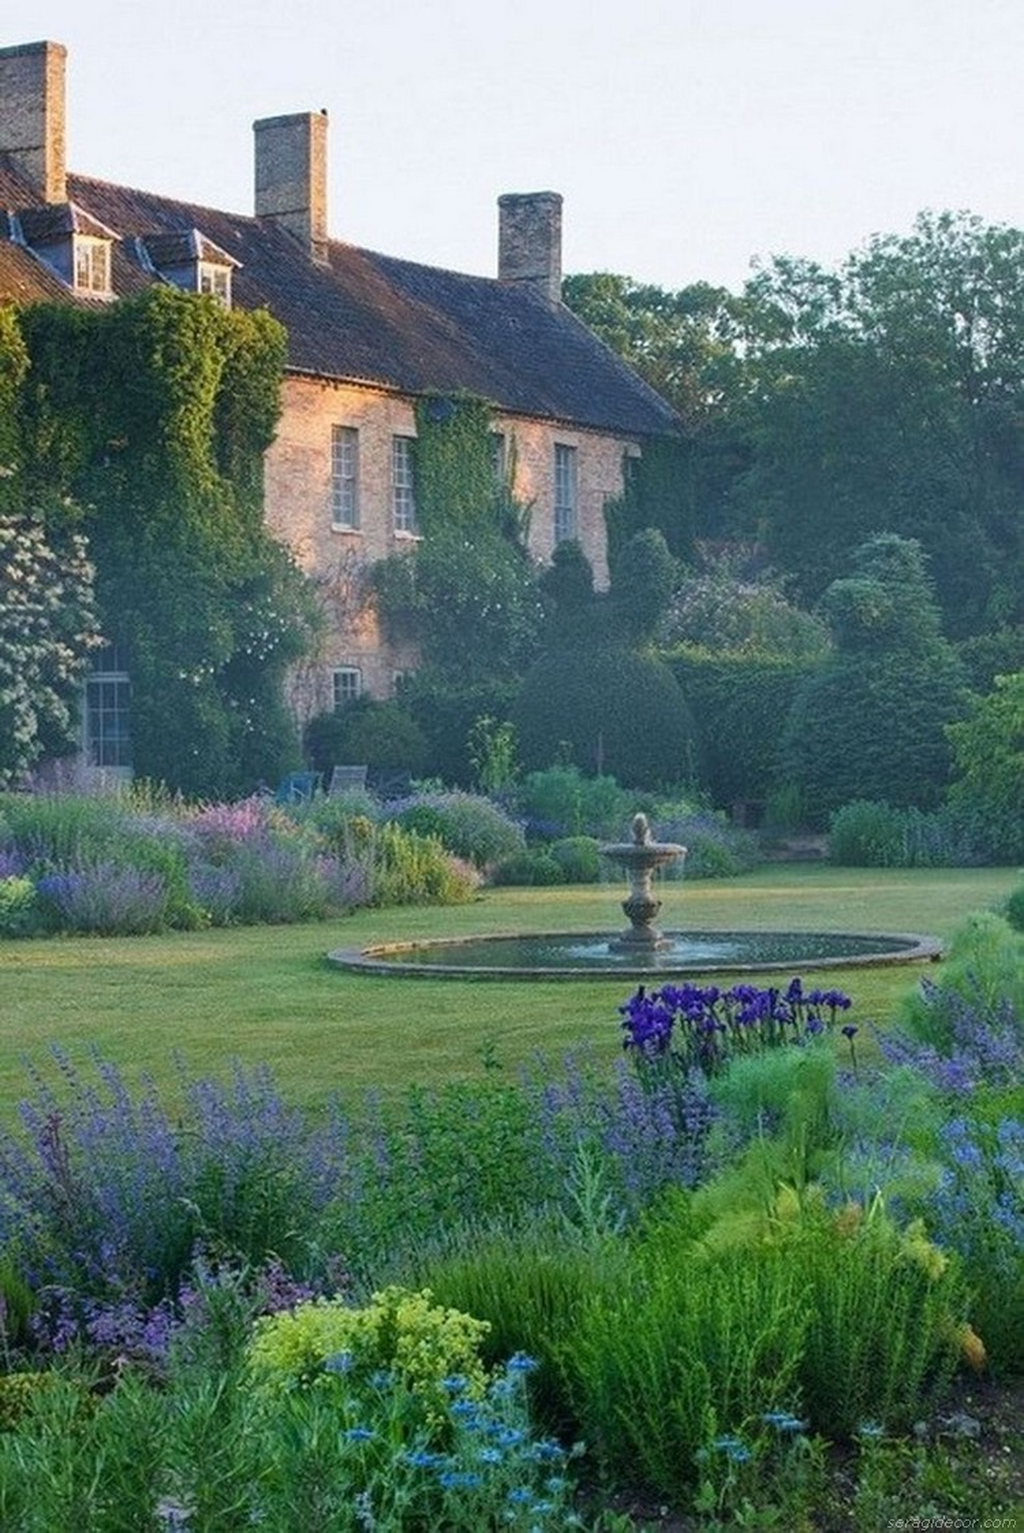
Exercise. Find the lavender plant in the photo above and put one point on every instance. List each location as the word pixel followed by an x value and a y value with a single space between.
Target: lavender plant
pixel 104 899
pixel 106 1193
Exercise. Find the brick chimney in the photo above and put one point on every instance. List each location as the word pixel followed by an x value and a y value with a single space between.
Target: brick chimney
pixel 530 242
pixel 32 115
pixel 291 177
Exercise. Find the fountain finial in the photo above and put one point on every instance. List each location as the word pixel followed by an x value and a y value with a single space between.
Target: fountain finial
pixel 641 830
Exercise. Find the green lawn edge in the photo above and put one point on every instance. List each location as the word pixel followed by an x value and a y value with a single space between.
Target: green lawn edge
pixel 267 996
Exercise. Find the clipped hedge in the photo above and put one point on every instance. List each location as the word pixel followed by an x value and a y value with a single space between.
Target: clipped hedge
pixel 872 727
pixel 740 704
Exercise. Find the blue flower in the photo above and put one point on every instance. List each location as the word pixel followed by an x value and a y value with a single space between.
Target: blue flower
pixel 783 1421
pixel 459 1479
pixel 870 1429
pixel 420 1458
pixel 358 1434
pixel 544 1451
pixel 735 1450
pixel 339 1362
pixel 520 1363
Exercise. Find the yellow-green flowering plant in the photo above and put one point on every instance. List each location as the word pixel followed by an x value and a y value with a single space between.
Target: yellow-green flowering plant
pixel 400 1335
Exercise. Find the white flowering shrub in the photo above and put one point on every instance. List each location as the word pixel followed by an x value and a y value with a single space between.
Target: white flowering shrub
pixel 47 626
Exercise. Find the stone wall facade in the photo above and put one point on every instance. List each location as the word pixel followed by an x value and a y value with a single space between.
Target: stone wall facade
pixel 300 509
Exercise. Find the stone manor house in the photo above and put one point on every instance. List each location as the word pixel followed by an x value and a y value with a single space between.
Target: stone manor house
pixel 368 334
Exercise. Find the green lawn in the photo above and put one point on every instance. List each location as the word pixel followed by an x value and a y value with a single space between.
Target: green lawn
pixel 265 994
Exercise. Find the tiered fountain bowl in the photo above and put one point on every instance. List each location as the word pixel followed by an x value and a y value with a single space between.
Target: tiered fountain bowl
pixel 641 858
pixel 639 952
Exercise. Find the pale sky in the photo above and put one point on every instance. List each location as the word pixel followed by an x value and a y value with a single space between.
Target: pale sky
pixel 686 136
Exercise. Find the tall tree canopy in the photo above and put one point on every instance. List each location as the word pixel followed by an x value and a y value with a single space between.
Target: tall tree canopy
pixel 824 406
pixel 890 396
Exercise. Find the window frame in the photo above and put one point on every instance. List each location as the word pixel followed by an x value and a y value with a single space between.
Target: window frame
pixel 565 510
pixel 345 515
pixel 93 254
pixel 343 695
pixel 101 746
pixel 215 281
pixel 403 486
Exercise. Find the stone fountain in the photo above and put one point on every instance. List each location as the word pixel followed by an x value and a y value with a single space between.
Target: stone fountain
pixel 641 857
pixel 642 952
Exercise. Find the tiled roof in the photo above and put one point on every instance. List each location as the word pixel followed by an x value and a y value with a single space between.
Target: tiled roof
pixel 23 278
pixel 370 318
pixel 55 221
pixel 180 246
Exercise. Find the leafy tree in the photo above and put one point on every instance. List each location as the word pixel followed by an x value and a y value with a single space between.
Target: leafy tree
pixel 567 584
pixel 869 724
pixel 643 578
pixel 988 758
pixel 47 607
pixel 888 395
pixel 687 345
pixel 724 609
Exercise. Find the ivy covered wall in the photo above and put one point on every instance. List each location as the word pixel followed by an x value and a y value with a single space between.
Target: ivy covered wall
pixel 155 413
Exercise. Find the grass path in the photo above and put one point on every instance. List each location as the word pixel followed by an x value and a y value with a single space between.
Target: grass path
pixel 265 994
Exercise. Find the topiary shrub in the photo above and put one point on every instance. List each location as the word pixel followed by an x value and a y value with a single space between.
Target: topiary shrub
pixel 871 723
pixel 615 710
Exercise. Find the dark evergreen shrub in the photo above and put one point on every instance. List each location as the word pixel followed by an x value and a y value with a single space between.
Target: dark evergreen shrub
pixel 871 723
pixel 612 710
pixel 367 733
pixel 740 704
pixel 446 714
pixel 871 729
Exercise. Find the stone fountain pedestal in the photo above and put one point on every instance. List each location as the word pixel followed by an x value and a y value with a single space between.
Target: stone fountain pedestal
pixel 640 857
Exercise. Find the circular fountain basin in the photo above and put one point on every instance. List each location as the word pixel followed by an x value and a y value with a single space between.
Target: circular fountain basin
pixel 591 955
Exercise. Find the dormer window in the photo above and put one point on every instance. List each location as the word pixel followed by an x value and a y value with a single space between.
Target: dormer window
pixel 215 280
pixel 189 259
pixel 73 244
pixel 92 265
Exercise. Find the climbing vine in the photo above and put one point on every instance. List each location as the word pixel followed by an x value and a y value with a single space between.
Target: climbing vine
pixel 155 413
pixel 468 593
pixel 456 484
